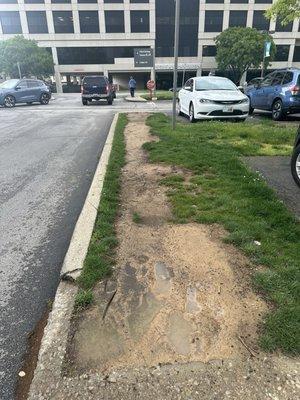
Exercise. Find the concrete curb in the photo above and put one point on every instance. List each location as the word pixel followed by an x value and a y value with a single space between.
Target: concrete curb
pixel 55 338
pixel 136 99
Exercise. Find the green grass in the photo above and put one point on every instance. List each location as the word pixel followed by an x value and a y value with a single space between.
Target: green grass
pixel 222 190
pixel 84 298
pixel 160 95
pixel 101 253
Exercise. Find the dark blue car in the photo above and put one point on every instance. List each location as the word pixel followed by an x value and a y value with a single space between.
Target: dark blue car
pixel 278 92
pixel 23 91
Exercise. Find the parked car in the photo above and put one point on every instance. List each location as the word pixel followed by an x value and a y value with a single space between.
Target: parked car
pixel 28 91
pixel 278 92
pixel 96 88
pixel 212 97
pixel 295 163
pixel 254 82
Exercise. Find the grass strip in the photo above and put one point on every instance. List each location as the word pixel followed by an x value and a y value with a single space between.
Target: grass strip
pixel 101 252
pixel 160 95
pixel 223 190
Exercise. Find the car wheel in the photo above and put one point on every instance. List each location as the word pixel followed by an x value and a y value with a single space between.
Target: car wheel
pixel 295 165
pixel 192 114
pixel 45 98
pixel 277 110
pixel 84 102
pixel 9 101
pixel 179 112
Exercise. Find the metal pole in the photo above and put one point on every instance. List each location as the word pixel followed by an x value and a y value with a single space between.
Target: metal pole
pixel 19 69
pixel 176 45
pixel 154 73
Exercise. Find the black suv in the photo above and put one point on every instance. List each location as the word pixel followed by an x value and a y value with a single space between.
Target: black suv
pixel 295 164
pixel 96 88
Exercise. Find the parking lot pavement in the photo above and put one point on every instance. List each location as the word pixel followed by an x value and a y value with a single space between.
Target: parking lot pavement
pixel 48 155
pixel 277 173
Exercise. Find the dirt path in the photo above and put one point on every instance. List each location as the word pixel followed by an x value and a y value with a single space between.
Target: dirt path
pixel 183 320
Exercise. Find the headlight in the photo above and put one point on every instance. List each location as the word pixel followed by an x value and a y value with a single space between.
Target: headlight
pixel 245 100
pixel 205 101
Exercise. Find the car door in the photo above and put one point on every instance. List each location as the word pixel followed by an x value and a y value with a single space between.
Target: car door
pixel 258 98
pixel 21 92
pixel 272 92
pixel 34 90
pixel 185 96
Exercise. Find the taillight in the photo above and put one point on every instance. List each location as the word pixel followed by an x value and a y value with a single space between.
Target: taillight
pixel 295 90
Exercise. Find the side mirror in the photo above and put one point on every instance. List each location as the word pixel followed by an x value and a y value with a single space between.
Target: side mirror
pixel 17 88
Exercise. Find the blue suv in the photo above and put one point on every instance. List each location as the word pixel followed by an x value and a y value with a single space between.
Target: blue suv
pixel 23 91
pixel 278 92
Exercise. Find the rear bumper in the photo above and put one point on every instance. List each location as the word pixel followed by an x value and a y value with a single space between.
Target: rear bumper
pixel 95 96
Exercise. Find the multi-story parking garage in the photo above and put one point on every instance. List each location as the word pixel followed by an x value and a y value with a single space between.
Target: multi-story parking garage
pixel 99 36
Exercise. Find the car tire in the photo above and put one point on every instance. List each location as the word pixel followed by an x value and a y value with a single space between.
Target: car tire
pixel 277 110
pixel 9 101
pixel 84 102
pixel 179 112
pixel 295 165
pixel 44 99
pixel 192 114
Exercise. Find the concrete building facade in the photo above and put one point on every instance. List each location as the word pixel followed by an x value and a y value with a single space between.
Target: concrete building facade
pixel 99 36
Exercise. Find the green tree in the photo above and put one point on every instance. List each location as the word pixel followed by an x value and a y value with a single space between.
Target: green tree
pixel 33 60
pixel 239 49
pixel 285 10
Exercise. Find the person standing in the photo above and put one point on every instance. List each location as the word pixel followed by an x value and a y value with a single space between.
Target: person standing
pixel 132 86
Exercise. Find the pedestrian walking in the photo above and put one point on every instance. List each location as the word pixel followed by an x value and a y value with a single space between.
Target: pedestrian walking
pixel 132 86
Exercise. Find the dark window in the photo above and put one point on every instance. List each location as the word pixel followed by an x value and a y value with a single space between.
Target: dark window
pixel 296 57
pixel 260 22
pixel 237 18
pixel 263 1
pixel 213 21
pixel 8 1
pixel 214 1
pixel 63 21
pixel 278 78
pixel 288 77
pixel 22 85
pixel 239 1
pixel 113 1
pixel 10 22
pixel 34 84
pixel 188 37
pixel 209 51
pixel 282 52
pixel 139 21
pixel 87 1
pixel 114 21
pixel 34 1
pixel 139 1
pixel 94 80
pixel 283 28
pixel 268 80
pixel 92 55
pixel 37 21
pixel 60 1
pixel 89 21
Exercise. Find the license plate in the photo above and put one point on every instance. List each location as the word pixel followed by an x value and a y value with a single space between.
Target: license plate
pixel 228 109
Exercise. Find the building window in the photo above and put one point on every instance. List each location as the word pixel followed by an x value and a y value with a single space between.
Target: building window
pixel 8 1
pixel 139 1
pixel 237 18
pixel 188 35
pixel 214 1
pixel 296 57
pixel 10 22
pixel 87 1
pixel 114 21
pixel 113 1
pixel 63 21
pixel 37 21
pixel 34 1
pixel 283 28
pixel 260 22
pixel 282 52
pixel 239 1
pixel 139 21
pixel 60 1
pixel 263 1
pixel 213 21
pixel 209 51
pixel 89 21
pixel 92 55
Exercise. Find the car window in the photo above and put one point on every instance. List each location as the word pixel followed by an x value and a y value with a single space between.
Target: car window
pixel 288 77
pixel 22 85
pixel 94 81
pixel 11 83
pixel 278 78
pixel 32 84
pixel 188 84
pixel 268 80
pixel 192 84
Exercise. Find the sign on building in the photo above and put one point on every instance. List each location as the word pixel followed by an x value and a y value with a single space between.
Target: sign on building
pixel 143 58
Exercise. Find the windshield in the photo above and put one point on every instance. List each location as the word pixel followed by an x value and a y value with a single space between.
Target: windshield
pixel 214 84
pixel 11 83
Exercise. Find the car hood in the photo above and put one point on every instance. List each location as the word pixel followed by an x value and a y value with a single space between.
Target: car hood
pixel 220 95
